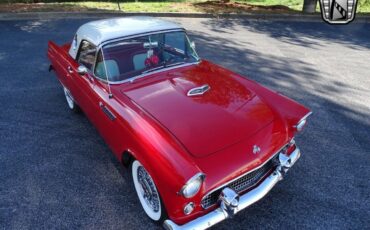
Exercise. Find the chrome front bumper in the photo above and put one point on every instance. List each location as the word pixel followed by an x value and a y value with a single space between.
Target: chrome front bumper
pixel 251 197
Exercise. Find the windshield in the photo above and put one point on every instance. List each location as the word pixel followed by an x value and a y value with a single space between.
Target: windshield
pixel 128 58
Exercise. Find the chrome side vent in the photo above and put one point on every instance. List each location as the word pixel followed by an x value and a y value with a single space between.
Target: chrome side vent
pixel 198 90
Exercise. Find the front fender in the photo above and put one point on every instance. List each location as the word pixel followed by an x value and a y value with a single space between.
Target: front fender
pixel 160 153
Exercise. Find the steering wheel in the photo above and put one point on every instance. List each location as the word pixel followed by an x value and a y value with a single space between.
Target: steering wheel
pixel 170 59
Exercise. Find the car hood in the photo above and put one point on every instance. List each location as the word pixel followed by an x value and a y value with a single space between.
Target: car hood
pixel 205 124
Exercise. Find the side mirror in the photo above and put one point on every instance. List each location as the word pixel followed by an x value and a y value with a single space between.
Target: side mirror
pixel 82 70
pixel 192 44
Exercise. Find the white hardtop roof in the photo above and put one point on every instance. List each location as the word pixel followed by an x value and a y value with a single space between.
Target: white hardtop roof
pixel 100 31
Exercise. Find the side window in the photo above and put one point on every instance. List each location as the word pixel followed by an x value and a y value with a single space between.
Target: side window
pixel 86 54
pixel 107 66
pixel 99 71
pixel 176 40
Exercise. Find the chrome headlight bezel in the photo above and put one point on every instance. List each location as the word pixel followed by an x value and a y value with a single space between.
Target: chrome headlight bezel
pixel 193 185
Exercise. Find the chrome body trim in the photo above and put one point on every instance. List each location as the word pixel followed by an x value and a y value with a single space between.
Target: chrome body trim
pixel 301 123
pixel 141 34
pixel 229 201
pixel 305 117
pixel 245 200
pixel 198 90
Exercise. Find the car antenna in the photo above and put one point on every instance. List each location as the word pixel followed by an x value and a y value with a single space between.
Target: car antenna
pixel 110 95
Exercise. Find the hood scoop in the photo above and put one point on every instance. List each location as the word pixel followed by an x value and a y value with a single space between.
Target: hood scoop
pixel 198 90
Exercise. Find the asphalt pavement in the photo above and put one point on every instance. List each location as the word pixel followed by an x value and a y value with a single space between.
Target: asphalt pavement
pixel 56 172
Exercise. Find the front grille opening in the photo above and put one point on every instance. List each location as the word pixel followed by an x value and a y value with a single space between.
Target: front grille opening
pixel 242 184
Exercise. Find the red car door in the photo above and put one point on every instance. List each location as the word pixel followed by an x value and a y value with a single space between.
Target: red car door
pixel 95 95
pixel 83 83
pixel 66 69
pixel 106 118
pixel 90 93
pixel 64 66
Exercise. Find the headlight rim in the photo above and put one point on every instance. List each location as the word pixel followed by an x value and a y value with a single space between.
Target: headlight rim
pixel 199 175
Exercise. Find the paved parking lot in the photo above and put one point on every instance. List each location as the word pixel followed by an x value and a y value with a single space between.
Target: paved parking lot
pixel 57 173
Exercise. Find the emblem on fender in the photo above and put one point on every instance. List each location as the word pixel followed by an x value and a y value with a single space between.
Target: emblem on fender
pixel 338 11
pixel 256 149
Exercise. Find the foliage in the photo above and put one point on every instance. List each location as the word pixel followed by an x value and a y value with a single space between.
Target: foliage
pixel 293 4
pixel 172 5
pixel 363 6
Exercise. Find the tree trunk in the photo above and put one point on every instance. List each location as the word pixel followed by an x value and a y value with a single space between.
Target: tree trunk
pixel 119 6
pixel 309 6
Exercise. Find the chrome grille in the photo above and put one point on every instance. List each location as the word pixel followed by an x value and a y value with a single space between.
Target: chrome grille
pixel 243 183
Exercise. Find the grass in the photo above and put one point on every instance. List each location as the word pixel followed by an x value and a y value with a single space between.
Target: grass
pixel 293 4
pixel 187 6
pixel 138 6
pixel 363 6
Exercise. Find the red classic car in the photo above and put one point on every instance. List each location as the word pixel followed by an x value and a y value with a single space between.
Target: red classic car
pixel 201 142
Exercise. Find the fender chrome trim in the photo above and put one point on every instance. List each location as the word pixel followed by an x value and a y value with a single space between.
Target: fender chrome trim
pixel 245 200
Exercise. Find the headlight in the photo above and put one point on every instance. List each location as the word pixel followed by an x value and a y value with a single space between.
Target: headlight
pixel 193 185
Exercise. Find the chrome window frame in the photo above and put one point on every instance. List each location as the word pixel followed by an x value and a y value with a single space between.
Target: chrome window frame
pixel 91 71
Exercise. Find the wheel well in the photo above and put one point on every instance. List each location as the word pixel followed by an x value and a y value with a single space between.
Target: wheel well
pixel 127 158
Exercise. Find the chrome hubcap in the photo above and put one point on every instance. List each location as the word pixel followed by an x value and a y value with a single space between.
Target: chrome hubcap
pixel 148 190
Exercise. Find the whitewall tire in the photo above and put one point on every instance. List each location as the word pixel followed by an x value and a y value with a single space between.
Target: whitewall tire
pixel 147 192
pixel 70 101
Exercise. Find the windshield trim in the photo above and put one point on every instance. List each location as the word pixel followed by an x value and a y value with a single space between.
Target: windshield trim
pixel 107 42
pixel 139 35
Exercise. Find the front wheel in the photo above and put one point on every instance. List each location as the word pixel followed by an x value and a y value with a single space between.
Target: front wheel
pixel 147 192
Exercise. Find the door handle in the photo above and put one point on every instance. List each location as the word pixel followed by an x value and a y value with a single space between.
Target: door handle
pixel 70 70
pixel 91 79
pixel 107 112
